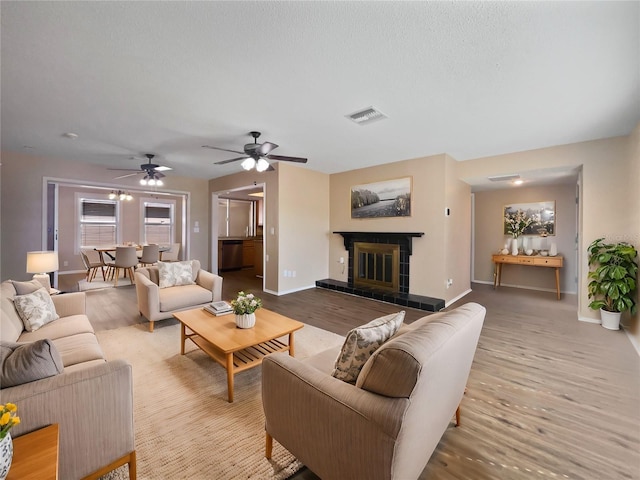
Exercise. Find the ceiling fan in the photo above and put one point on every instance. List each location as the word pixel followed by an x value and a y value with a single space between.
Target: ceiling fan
pixel 151 171
pixel 255 155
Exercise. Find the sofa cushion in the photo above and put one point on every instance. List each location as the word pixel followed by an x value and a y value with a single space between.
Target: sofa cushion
pixel 361 342
pixel 175 274
pixel 79 348
pixel 35 309
pixel 11 326
pixel 23 288
pixel 63 327
pixel 175 298
pixel 27 362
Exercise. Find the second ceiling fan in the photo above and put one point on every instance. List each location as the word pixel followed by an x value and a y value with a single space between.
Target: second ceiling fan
pixel 255 155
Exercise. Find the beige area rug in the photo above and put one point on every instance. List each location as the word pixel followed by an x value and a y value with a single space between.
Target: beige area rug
pixel 185 428
pixel 83 285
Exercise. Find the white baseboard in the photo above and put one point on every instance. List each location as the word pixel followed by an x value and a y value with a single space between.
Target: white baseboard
pixel 582 318
pixel 71 272
pixel 454 300
pixel 526 287
pixel 294 290
pixel 632 339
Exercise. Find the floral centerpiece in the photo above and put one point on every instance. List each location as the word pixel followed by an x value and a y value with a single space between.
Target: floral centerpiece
pixel 517 223
pixel 244 306
pixel 8 418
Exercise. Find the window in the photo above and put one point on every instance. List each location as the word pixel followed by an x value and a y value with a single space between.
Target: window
pixel 98 222
pixel 158 223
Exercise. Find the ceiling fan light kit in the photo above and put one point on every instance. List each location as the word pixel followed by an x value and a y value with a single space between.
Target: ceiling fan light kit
pixel 151 171
pixel 256 155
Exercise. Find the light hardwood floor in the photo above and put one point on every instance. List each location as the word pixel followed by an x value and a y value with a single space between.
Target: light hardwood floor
pixel 548 397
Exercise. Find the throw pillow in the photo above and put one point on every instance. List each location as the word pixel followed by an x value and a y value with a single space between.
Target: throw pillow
pixel 360 344
pixel 35 309
pixel 23 288
pixel 27 362
pixel 173 274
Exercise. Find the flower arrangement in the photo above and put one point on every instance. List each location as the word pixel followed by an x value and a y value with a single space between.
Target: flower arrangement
pixel 245 303
pixel 8 418
pixel 517 223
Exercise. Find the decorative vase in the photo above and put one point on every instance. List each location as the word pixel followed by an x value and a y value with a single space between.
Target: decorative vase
pixel 6 455
pixel 553 250
pixel 514 246
pixel 610 320
pixel 246 320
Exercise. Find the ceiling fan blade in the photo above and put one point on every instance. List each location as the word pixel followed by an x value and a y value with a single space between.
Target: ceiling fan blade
pixel 125 176
pixel 270 169
pixel 159 175
pixel 125 169
pixel 266 147
pixel 287 159
pixel 231 160
pixel 223 149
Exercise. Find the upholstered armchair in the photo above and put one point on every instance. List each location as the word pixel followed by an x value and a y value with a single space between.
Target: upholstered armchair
pixel 387 424
pixel 159 297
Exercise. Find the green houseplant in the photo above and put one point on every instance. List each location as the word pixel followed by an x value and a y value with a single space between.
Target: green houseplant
pixel 613 274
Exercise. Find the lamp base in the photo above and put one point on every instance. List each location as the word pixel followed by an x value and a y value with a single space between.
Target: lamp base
pixel 44 279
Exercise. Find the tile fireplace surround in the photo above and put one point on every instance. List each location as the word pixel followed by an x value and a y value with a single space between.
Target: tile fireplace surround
pixel 402 297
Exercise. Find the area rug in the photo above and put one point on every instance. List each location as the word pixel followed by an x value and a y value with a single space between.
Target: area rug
pixel 83 285
pixel 185 428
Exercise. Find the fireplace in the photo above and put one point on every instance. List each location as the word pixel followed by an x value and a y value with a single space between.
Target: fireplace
pixel 372 273
pixel 376 265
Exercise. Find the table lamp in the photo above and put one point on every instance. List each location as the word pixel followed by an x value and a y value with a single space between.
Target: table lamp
pixel 40 263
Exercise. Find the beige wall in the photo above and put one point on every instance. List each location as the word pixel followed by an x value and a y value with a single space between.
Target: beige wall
pixel 605 166
pixel 489 238
pixel 430 264
pixel 304 227
pixel 632 206
pixel 22 204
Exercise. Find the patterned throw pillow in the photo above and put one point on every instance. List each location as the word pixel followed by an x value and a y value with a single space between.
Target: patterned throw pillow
pixel 35 309
pixel 360 344
pixel 173 274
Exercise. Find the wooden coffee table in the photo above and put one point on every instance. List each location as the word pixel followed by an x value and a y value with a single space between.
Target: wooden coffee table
pixel 237 349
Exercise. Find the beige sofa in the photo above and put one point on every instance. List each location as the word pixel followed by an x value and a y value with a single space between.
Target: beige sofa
pixel 388 424
pixel 91 400
pixel 155 303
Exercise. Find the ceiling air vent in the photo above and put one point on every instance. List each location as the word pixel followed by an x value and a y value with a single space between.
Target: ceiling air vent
pixel 504 178
pixel 368 115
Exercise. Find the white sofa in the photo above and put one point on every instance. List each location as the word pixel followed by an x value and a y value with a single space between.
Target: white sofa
pixel 90 398
pixel 155 303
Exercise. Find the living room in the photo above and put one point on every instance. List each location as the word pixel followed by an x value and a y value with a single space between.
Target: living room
pixel 453 203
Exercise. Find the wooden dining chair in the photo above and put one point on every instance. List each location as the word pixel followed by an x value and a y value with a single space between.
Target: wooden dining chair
pixel 150 255
pixel 127 260
pixel 92 263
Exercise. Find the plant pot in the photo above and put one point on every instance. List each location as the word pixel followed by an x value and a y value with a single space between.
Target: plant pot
pixel 610 320
pixel 6 455
pixel 246 320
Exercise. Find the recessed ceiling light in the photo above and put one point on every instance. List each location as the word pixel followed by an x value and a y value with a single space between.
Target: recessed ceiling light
pixel 70 135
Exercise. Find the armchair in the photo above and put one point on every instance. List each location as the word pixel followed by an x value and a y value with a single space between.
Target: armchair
pixel 388 424
pixel 155 303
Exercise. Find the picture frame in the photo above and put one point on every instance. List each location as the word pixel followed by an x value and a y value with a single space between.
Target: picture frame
pixel 387 198
pixel 542 213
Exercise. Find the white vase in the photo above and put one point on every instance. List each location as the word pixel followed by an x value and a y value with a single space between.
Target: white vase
pixel 6 455
pixel 514 246
pixel 553 250
pixel 246 320
pixel 610 320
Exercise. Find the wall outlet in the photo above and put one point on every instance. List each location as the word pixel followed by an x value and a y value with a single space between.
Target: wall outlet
pixel 65 264
pixel 341 261
pixel 293 274
pixel 286 273
pixel 266 257
pixel 449 282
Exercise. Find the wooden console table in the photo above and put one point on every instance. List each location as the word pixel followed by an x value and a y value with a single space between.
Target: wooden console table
pixel 527 261
pixel 35 455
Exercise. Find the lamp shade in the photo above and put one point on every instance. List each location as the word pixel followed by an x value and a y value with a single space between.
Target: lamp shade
pixel 42 262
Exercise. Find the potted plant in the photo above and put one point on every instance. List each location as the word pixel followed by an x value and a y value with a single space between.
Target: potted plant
pixel 244 306
pixel 613 273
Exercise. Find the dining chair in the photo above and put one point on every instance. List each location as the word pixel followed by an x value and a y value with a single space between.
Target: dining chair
pixel 150 255
pixel 92 263
pixel 126 259
pixel 171 255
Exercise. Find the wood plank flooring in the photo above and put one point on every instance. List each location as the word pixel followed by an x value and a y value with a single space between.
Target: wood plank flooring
pixel 548 397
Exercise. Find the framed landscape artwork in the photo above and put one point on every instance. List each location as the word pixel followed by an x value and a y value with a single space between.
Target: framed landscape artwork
pixel 389 198
pixel 543 215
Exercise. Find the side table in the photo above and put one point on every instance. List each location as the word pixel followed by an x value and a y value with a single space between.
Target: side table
pixel 35 455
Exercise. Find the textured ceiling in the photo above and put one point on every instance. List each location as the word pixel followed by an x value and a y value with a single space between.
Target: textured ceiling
pixel 469 79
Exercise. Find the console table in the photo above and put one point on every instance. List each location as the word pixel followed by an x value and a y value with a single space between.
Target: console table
pixel 527 261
